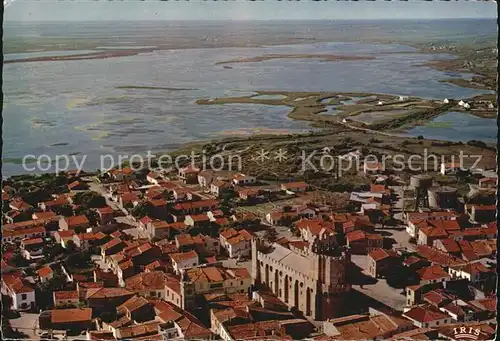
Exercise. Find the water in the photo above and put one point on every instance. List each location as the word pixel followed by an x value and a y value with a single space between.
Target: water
pixel 76 107
pixel 12 56
pixel 458 126
pixel 332 110
pixel 269 97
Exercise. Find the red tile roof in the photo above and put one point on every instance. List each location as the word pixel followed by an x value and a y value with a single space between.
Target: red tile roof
pixel 424 314
pixel 433 272
pixel 66 295
pixel 450 245
pixel 182 256
pixel 378 254
pixel 71 315
pixel 196 204
pixel 295 185
pixel 75 221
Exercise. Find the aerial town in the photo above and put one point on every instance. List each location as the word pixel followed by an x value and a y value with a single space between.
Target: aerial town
pixel 200 254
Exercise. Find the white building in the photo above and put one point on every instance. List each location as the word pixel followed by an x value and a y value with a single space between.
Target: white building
pixel 236 243
pixel 446 101
pixel 183 260
pixel 242 179
pixel 21 292
pixel 424 317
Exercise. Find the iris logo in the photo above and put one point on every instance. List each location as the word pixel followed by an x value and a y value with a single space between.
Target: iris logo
pixel 466 333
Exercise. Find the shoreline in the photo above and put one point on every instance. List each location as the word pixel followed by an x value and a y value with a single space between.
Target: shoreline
pixel 318 109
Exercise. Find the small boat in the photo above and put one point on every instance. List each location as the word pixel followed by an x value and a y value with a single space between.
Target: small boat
pixel 227 67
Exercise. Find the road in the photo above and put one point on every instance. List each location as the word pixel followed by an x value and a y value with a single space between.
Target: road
pixel 96 187
pixel 28 324
pixel 379 290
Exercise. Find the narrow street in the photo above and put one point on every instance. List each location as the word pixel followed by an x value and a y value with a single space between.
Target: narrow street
pixel 125 219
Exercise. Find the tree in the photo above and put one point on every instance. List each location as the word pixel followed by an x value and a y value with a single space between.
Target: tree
pixel 90 199
pixel 70 246
pixel 271 235
pixel 140 210
pixel 18 259
pixel 387 220
pixel 64 210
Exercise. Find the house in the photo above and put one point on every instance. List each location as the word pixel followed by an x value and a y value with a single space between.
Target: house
pixel 136 309
pixel 183 260
pixel 281 217
pixel 315 228
pixel 158 208
pixel 62 237
pixel 437 257
pixel 450 168
pixel 183 325
pixel 75 319
pixel 481 213
pixel 295 187
pixel 305 211
pixel 488 182
pixel 199 206
pixel 240 179
pixel 79 222
pixel 236 243
pixel 211 278
pixel 123 174
pixel 20 291
pixel 372 167
pixel 372 326
pixel 189 175
pixel 182 194
pixel 159 229
pixel 24 233
pixel 197 220
pixel 148 284
pixel 248 194
pixel 84 240
pixel 19 204
pixel 54 205
pixel 113 246
pixel 219 187
pixel 129 200
pixel 382 262
pixel 475 273
pixel 433 274
pixel 447 245
pixel 46 215
pixel 106 215
pixel 78 186
pixel 425 316
pixel 32 248
pixel 66 298
pixel 427 235
pixel 475 233
pixel 205 178
pixel 154 178
pixel 45 274
pixel 206 245
pixel 106 299
pixel 361 242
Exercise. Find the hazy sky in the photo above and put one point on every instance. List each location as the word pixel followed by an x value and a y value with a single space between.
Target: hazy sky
pixel 86 10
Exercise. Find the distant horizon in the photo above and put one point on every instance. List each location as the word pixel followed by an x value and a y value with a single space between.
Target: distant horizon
pixel 87 11
pixel 244 20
